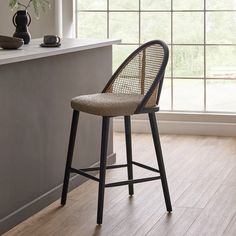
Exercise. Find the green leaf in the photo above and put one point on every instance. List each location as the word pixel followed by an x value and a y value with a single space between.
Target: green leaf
pixel 37 5
pixel 13 3
pixel 40 4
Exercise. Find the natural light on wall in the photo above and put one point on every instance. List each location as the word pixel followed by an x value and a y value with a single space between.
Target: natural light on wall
pixel 201 75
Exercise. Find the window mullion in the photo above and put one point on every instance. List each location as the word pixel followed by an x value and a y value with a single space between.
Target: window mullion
pixel 204 53
pixel 172 64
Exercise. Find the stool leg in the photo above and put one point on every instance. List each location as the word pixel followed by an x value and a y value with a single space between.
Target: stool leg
pixel 129 152
pixel 74 125
pixel 160 161
pixel 103 160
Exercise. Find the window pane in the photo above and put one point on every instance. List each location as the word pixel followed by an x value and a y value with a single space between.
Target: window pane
pixel 221 4
pixel 221 27
pixel 125 25
pixel 124 5
pixel 120 53
pixel 155 29
pixel 188 61
pixel 91 5
pixel 92 25
pixel 188 94
pixel 165 99
pixel 221 95
pixel 155 5
pixel 220 61
pixel 188 4
pixel 188 27
pixel 155 25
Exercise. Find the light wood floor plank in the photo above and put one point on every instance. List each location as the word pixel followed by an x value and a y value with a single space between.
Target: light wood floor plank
pixel 143 216
pixel 199 193
pixel 217 215
pixel 201 174
pixel 175 224
pixel 231 228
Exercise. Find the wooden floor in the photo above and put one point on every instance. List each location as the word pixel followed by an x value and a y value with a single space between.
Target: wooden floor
pixel 202 179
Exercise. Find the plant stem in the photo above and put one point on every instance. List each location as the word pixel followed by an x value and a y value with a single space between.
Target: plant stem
pixel 28 4
pixel 20 4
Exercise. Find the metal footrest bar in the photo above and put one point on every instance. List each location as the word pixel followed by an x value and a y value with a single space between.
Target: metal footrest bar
pixel 107 167
pixel 132 181
pixel 145 167
pixel 80 172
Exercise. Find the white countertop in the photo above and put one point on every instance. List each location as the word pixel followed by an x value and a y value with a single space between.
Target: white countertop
pixel 34 51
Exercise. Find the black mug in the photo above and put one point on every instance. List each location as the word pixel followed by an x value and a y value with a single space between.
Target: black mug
pixel 51 39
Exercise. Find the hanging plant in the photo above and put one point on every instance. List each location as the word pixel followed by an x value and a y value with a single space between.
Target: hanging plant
pixel 37 5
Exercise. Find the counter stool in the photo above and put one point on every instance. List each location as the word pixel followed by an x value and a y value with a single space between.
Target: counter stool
pixel 133 89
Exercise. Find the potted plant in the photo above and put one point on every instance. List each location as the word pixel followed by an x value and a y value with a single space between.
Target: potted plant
pixel 22 18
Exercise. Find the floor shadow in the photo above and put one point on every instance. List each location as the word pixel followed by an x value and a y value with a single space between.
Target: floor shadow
pixel 97 230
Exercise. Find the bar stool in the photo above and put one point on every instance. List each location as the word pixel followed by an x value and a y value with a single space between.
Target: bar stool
pixel 133 89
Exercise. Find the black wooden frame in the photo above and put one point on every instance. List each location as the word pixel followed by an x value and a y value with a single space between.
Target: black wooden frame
pixel 104 143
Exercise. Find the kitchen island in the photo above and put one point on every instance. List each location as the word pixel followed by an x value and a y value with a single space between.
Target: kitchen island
pixel 36 86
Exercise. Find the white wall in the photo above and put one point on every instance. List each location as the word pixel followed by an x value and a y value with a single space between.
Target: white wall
pixel 64 18
pixel 38 28
pixel 68 18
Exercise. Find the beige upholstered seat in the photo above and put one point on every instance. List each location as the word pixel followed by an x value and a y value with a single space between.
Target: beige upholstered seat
pixel 107 104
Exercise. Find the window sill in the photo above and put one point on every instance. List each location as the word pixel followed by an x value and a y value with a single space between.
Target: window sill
pixel 184 123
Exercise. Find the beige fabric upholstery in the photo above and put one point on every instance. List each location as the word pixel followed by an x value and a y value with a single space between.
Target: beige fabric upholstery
pixel 107 104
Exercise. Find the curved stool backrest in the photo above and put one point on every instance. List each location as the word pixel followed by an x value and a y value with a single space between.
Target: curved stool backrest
pixel 142 73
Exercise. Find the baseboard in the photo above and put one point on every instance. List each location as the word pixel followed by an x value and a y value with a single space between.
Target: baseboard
pixel 41 202
pixel 180 127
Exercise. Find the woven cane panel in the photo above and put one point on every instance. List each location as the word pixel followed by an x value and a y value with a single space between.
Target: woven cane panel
pixel 139 73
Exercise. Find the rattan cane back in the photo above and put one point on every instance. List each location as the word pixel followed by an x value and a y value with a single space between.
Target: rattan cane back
pixel 142 73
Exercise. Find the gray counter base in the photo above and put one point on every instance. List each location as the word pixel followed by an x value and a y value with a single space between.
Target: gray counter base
pixel 45 200
pixel 35 124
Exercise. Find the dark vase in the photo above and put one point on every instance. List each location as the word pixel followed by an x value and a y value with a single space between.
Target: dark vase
pixel 22 20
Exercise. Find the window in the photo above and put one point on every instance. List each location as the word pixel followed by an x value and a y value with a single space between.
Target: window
pixel 201 34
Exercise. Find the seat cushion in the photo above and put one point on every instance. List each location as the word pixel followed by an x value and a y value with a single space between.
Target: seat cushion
pixel 107 104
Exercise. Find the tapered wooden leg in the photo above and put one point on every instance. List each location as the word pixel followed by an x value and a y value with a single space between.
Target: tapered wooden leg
pixel 160 161
pixel 129 152
pixel 73 131
pixel 103 160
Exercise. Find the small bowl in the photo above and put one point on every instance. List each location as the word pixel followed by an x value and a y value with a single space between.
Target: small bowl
pixel 9 39
pixel 11 44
